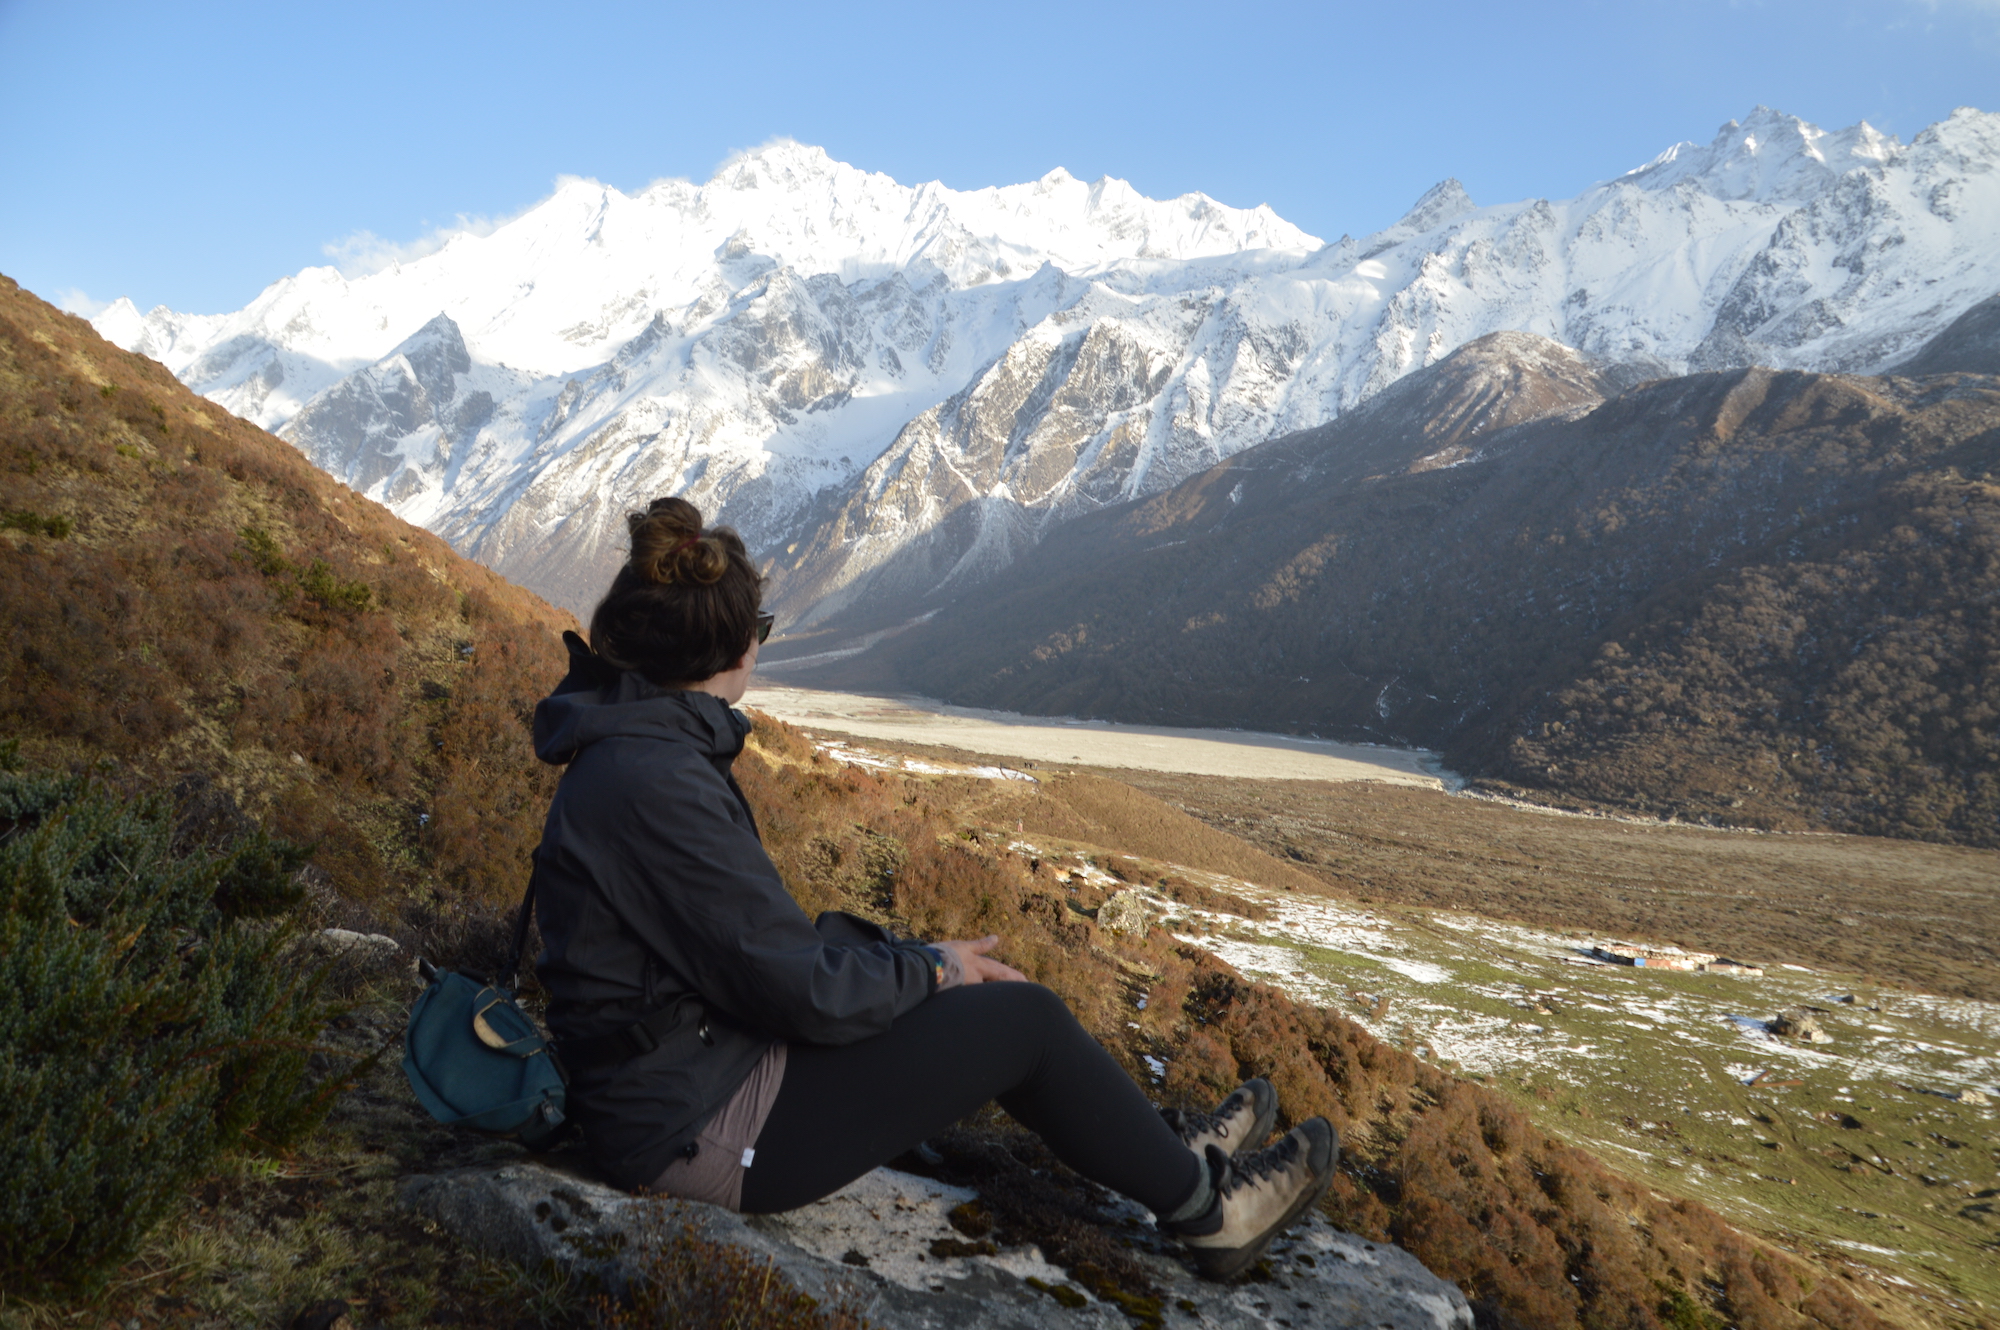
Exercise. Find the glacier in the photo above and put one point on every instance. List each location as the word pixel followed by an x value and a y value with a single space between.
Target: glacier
pixel 891 389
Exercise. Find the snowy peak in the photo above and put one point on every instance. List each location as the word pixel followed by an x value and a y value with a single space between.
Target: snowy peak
pixel 1443 202
pixel 1441 205
pixel 401 419
pixel 783 164
pixel 1769 156
pixel 435 354
pixel 558 288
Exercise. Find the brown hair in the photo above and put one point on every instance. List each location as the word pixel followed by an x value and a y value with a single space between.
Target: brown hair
pixel 684 606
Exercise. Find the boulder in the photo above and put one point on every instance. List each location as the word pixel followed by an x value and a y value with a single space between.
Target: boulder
pixel 885 1243
pixel 373 947
pixel 1798 1023
pixel 1125 912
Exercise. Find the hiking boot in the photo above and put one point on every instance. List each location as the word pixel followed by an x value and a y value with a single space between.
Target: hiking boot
pixel 1239 1123
pixel 1257 1196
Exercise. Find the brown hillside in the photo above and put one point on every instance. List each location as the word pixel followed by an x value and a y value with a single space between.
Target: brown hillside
pixel 1767 599
pixel 189 597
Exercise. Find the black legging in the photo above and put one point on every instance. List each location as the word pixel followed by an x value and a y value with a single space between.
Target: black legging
pixel 843 1110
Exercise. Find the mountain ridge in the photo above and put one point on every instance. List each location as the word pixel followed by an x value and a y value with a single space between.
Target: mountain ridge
pixel 760 349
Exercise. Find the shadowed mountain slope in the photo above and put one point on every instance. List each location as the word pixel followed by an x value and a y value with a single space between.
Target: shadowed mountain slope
pixel 189 597
pixel 1970 344
pixel 1769 598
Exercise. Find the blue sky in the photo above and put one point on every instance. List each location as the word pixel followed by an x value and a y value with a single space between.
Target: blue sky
pixel 189 154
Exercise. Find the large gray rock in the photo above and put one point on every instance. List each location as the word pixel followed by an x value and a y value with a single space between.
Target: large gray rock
pixel 873 1240
pixel 1799 1023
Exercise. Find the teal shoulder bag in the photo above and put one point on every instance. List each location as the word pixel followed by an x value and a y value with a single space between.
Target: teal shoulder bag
pixel 477 1061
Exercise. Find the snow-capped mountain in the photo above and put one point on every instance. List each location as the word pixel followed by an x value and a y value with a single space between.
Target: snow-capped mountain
pixel 889 389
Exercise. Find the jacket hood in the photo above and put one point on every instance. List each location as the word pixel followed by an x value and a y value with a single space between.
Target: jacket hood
pixel 596 700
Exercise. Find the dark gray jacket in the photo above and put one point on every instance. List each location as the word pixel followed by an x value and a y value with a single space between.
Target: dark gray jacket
pixel 654 889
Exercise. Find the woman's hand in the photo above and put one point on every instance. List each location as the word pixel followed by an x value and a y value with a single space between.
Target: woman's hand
pixel 977 966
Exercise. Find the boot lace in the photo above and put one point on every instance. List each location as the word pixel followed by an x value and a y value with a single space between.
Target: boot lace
pixel 1190 1124
pixel 1248 1170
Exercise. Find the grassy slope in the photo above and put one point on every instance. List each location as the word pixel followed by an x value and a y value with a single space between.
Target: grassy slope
pixel 1852 1151
pixel 1924 916
pixel 1848 1148
pixel 187 596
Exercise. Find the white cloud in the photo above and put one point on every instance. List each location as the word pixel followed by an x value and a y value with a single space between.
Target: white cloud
pixel 364 252
pixel 75 300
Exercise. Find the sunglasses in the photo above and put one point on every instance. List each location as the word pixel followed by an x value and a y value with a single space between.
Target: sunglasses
pixel 765 620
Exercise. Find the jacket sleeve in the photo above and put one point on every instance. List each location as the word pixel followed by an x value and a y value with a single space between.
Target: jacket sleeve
pixel 697 889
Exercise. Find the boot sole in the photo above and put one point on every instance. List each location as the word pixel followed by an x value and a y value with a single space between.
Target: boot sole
pixel 1224 1265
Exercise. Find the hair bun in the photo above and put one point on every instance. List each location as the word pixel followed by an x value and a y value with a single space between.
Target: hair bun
pixel 669 545
pixel 684 606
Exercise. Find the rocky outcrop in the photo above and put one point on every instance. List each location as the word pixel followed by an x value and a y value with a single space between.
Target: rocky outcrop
pixel 402 419
pixel 1801 1024
pixel 886 1244
pixel 1125 912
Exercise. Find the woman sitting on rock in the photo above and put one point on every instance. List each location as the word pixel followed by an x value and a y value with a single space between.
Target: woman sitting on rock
pixel 722 1047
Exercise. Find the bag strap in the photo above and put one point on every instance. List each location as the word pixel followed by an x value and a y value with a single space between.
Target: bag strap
pixel 509 981
pixel 640 1037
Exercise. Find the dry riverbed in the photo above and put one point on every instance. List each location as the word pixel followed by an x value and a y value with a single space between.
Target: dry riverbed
pixel 1231 753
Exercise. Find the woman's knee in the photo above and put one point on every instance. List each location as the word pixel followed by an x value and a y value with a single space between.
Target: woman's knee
pixel 1042 1001
pixel 1016 1004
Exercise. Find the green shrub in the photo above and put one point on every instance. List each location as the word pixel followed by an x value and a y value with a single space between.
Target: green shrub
pixel 266 555
pixel 323 586
pixel 146 1021
pixel 37 524
pixel 317 579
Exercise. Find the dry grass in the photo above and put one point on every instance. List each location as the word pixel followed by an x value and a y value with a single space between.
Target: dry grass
pixel 195 598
